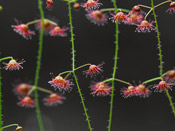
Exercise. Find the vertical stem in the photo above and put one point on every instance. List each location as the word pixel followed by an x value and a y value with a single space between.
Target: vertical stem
pixel 82 101
pixel 114 71
pixel 38 67
pixel 171 103
pixel 158 39
pixel 160 55
pixel 0 102
pixel 73 66
pixel 72 36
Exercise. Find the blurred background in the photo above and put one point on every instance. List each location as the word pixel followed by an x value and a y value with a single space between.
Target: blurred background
pixel 138 61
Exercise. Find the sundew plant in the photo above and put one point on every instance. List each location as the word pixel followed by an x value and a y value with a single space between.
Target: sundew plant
pixel 62 68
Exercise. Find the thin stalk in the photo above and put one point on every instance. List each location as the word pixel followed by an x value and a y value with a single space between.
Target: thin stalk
pixel 151 80
pixel 113 9
pixel 165 73
pixel 65 72
pixel 144 6
pixel 38 67
pixel 33 22
pixel 82 66
pixel 0 101
pixel 39 20
pixel 148 13
pixel 114 70
pixel 44 90
pixel 52 22
pixel 121 81
pixel 10 126
pixel 6 58
pixel 160 55
pixel 73 66
pixel 162 3
pixel 170 100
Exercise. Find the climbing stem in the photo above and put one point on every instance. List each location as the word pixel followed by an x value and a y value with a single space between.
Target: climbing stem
pixel 73 66
pixel 170 100
pixel 38 67
pixel 0 101
pixel 114 69
pixel 82 101
pixel 158 39
pixel 72 35
pixel 160 55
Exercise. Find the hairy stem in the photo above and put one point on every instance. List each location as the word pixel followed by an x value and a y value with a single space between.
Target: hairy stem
pixel 158 39
pixel 114 70
pixel 170 100
pixel 73 66
pixel 0 101
pixel 82 101
pixel 38 67
pixel 72 36
pixel 160 55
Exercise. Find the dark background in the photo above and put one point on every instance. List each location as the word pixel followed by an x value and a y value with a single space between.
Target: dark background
pixel 94 44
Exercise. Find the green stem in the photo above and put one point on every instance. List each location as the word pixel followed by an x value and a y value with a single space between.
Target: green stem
pixel 114 70
pixel 9 126
pixel 82 66
pixel 33 22
pixel 161 3
pixel 72 35
pixel 52 22
pixel 121 81
pixel 158 39
pixel 82 101
pixel 160 54
pixel 1 8
pixel 170 100
pixel 38 67
pixel 73 66
pixel 65 72
pixel 6 58
pixel 144 6
pixel 113 9
pixel 164 74
pixel 39 20
pixel 151 80
pixel 0 101
pixel 44 90
pixel 148 13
